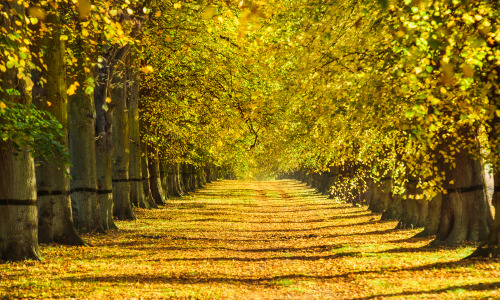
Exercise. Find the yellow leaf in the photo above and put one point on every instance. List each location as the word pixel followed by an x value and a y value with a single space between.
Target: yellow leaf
pixel 29 83
pixel 177 5
pixel 147 69
pixel 2 106
pixel 108 100
pixel 208 13
pixel 84 8
pixel 63 37
pixel 36 12
pixel 85 32
pixel 113 12
pixel 72 88
pixel 497 113
pixel 452 182
pixel 158 14
pixel 49 103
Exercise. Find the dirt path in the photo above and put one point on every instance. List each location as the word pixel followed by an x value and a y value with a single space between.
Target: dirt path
pixel 255 240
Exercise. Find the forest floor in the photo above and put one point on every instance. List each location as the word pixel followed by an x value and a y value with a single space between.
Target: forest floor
pixel 253 240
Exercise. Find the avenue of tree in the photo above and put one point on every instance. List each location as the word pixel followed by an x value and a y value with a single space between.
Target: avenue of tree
pixel 107 105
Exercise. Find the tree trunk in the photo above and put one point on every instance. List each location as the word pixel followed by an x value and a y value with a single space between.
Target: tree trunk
pixel 185 178
pixel 121 145
pixel 18 202
pixel 381 195
pixel 104 147
pixel 178 179
pixel 366 194
pixel 394 209
pixel 201 177
pixel 465 214
pixel 164 178
pixel 193 177
pixel 172 191
pixel 55 219
pixel 431 224
pixel 208 174
pixel 173 188
pixel 155 180
pixel 137 196
pixel 81 130
pixel 491 247
pixel 150 202
pixel 18 211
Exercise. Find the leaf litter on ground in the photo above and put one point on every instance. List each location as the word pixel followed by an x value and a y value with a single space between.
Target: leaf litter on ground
pixel 253 240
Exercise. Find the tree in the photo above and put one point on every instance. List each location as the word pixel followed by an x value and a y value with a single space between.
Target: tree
pixel 18 200
pixel 55 220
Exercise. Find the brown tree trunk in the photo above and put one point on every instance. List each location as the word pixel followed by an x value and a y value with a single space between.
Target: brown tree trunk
pixel 178 179
pixel 491 248
pixel 186 184
pixel 18 202
pixel 104 148
pixel 81 130
pixel 413 211
pixel 208 174
pixel 150 202
pixel 432 221
pixel 174 188
pixel 155 180
pixel 394 209
pixel 137 196
pixel 172 191
pixel 55 219
pixel 465 214
pixel 121 144
pixel 164 178
pixel 381 195
pixel 18 211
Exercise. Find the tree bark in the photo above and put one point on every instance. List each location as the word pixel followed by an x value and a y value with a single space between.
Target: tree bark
pixel 104 147
pixel 185 178
pixel 431 223
pixel 150 202
pixel 155 180
pixel 81 130
pixel 55 219
pixel 178 179
pixel 465 214
pixel 491 248
pixel 172 191
pixel 137 196
pixel 381 195
pixel 18 211
pixel 121 145
pixel 164 178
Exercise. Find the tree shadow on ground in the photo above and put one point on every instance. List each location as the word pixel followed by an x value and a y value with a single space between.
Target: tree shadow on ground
pixel 317 248
pixel 284 256
pixel 194 277
pixel 468 287
pixel 286 221
pixel 225 220
pixel 426 248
